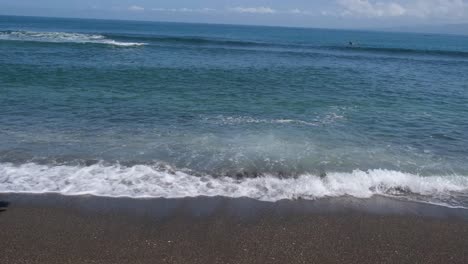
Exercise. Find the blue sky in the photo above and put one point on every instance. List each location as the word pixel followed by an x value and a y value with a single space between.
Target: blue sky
pixel 309 13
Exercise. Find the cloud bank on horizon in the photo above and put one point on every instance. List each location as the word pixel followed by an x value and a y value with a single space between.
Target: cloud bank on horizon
pixel 332 13
pixel 417 8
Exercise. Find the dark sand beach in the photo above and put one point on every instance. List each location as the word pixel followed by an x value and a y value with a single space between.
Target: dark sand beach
pixel 59 229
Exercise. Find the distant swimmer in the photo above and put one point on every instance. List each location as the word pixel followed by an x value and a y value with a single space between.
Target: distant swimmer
pixel 351 43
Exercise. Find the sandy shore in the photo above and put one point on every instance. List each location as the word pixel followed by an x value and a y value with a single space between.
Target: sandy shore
pixel 57 229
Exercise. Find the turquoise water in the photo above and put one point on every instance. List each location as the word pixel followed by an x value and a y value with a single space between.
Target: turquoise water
pixel 172 110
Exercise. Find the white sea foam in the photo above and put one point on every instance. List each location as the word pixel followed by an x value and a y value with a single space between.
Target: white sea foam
pixel 251 120
pixel 63 37
pixel 151 181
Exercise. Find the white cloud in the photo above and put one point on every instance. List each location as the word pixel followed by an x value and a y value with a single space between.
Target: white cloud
pixel 136 8
pixel 411 8
pixel 184 9
pixel 251 10
pixel 438 8
pixel 297 11
pixel 254 10
pixel 366 8
pixel 206 9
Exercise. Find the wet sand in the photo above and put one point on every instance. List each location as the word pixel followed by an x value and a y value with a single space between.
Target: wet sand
pixel 58 229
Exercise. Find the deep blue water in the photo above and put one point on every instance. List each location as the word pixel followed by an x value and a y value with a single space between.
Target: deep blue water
pixel 241 102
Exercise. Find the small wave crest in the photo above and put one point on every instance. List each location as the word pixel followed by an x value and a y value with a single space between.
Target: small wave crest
pixel 165 182
pixel 195 40
pixel 63 37
pixel 403 51
pixel 230 120
pixel 326 119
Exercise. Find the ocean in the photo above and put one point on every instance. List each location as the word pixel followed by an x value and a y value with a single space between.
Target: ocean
pixel 153 109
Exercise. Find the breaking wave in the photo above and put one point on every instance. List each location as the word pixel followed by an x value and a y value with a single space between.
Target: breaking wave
pixel 159 181
pixel 63 37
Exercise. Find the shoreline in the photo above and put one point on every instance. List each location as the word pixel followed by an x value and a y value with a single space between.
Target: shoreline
pixel 206 205
pixel 51 228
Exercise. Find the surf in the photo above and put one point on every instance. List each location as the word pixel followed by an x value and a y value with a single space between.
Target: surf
pixel 64 37
pixel 163 181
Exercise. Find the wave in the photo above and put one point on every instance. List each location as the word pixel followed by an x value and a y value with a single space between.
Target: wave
pixel 403 51
pixel 141 40
pixel 237 120
pixel 63 37
pixel 140 181
pixel 192 40
pixel 304 47
pixel 230 120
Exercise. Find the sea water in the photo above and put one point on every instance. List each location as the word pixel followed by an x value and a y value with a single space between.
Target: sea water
pixel 152 109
